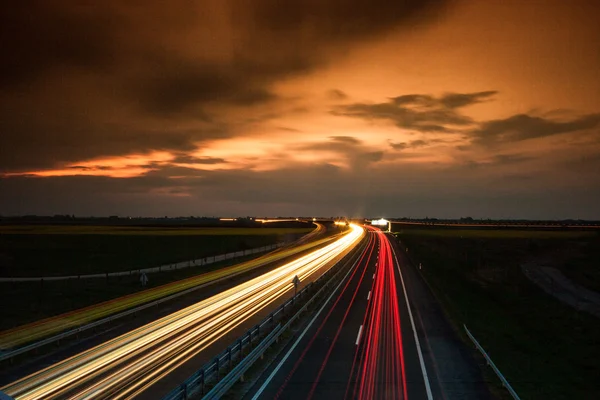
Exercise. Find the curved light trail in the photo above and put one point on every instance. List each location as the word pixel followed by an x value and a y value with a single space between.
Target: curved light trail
pixel 127 365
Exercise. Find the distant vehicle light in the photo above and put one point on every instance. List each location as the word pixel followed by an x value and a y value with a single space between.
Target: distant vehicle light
pixel 380 222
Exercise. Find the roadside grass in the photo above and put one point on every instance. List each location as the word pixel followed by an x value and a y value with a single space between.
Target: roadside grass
pixel 141 230
pixel 487 233
pixel 32 301
pixel 546 349
pixel 78 254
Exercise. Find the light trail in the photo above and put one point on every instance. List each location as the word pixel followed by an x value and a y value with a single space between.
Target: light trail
pixel 365 256
pixel 381 370
pixel 127 365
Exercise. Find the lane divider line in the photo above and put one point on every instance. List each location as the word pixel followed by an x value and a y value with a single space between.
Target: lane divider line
pixel 368 297
pixel 359 333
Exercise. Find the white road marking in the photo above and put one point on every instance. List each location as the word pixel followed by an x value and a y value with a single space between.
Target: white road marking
pixel 270 377
pixel 359 333
pixel 412 323
pixel 369 295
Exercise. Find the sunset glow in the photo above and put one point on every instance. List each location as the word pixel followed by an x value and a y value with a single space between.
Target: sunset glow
pixel 473 106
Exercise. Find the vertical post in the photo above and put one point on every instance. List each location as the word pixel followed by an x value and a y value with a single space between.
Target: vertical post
pixel 202 383
pixel 218 367
pixel 229 358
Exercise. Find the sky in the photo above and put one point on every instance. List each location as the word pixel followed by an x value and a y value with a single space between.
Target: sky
pixel 433 108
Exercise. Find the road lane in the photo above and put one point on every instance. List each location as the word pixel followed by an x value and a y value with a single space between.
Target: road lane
pixel 359 347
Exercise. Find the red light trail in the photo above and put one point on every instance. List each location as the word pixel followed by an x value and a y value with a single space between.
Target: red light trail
pixel 381 369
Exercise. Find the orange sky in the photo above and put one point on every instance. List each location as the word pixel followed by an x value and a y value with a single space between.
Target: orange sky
pixel 214 90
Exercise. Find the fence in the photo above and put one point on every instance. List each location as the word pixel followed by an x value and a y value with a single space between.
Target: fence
pixel 167 267
pixel 210 373
pixel 491 364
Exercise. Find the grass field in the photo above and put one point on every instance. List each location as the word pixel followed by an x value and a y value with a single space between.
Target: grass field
pixel 79 250
pixel 546 349
pixel 37 301
pixel 142 230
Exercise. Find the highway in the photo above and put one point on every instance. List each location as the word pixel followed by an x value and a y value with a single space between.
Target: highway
pixel 127 366
pixel 368 342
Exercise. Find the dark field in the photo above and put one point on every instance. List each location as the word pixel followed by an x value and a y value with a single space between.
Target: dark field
pixel 78 250
pixel 32 301
pixel 546 349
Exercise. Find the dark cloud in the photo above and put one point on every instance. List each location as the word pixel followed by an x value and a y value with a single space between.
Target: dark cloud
pixel 37 37
pixel 522 127
pixel 87 80
pixel 412 144
pixel 504 159
pixel 67 135
pixel 345 139
pixel 457 100
pixel 498 160
pixel 353 150
pixel 371 156
pixel 288 129
pixel 300 189
pixel 336 94
pixel 418 112
pixel 187 159
pixel 399 146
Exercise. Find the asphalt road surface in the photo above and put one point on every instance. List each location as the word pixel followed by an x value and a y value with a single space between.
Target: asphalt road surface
pixel 368 342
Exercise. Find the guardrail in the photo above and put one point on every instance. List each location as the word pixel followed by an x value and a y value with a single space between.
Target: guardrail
pixel 231 378
pixel 162 268
pixel 491 364
pixel 210 372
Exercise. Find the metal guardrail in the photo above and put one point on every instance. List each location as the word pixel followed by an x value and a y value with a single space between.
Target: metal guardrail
pixel 200 262
pixel 231 378
pixel 210 372
pixel 491 364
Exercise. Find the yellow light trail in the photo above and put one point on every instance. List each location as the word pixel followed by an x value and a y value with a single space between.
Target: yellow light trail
pixel 123 367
